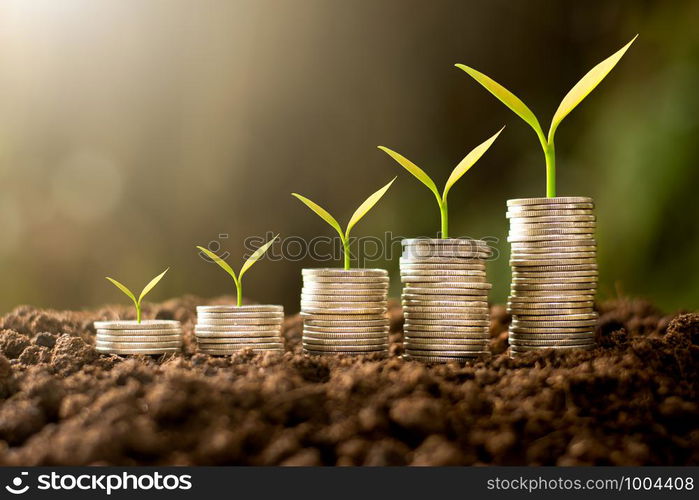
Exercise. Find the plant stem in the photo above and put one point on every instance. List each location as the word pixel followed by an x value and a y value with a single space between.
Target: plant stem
pixel 346 251
pixel 550 154
pixel 239 292
pixel 445 218
pixel 138 313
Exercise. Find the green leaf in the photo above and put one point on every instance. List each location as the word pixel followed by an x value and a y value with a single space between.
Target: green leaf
pixel 151 285
pixel 465 164
pixel 586 85
pixel 366 206
pixel 413 169
pixel 123 288
pixel 222 263
pixel 322 213
pixel 256 256
pixel 507 98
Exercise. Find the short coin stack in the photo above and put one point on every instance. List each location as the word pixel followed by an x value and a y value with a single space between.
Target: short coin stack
pixel 131 337
pixel 344 311
pixel 222 330
pixel 554 273
pixel 445 299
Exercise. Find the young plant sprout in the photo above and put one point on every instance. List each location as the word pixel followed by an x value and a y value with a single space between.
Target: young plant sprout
pixel 456 174
pixel 581 89
pixel 238 279
pixel 358 214
pixel 144 292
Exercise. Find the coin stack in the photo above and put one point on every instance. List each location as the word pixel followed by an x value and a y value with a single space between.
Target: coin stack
pixel 222 330
pixel 554 273
pixel 344 311
pixel 131 337
pixel 445 299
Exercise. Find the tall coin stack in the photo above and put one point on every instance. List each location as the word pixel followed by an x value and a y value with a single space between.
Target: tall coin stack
pixel 222 330
pixel 154 336
pixel 445 299
pixel 344 311
pixel 554 273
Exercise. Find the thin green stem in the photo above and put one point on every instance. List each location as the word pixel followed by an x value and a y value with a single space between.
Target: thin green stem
pixel 239 293
pixel 138 313
pixel 550 154
pixel 443 211
pixel 346 251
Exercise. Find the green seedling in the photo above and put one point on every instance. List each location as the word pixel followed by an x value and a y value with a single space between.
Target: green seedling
pixel 238 279
pixel 456 174
pixel 581 89
pixel 144 292
pixel 358 214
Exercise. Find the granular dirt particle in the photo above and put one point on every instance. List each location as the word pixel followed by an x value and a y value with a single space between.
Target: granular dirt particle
pixel 631 401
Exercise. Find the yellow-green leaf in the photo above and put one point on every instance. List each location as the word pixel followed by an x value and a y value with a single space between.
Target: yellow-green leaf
pixel 507 98
pixel 321 212
pixel 256 256
pixel 151 285
pixel 123 288
pixel 586 85
pixel 413 169
pixel 222 263
pixel 366 206
pixel 468 161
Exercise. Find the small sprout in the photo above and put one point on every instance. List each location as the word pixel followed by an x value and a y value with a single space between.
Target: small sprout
pixel 463 167
pixel 144 292
pixel 581 89
pixel 238 279
pixel 358 214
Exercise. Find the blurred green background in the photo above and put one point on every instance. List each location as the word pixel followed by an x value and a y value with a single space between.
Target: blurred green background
pixel 131 131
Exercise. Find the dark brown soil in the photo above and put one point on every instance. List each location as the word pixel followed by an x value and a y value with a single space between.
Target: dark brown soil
pixel 631 401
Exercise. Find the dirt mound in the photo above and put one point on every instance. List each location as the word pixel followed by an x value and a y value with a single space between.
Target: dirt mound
pixel 633 400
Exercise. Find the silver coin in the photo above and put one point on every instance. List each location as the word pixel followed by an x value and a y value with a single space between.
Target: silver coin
pixel 346 336
pixel 471 261
pixel 550 342
pixel 517 349
pixel 483 336
pixel 253 341
pixel 442 279
pixel 367 287
pixel 343 317
pixel 545 218
pixel 228 350
pixel 305 297
pixel 345 279
pixel 314 348
pixel 408 265
pixel 412 328
pixel 342 306
pixel 540 316
pixel 411 315
pixel 334 271
pixel 417 310
pixel 458 252
pixel 516 250
pixel 549 330
pixel 445 359
pixel 444 293
pixel 159 350
pixel 344 310
pixel 445 352
pixel 555 274
pixel 137 345
pixel 449 301
pixel 242 315
pixel 239 322
pixel 143 333
pixel 549 200
pixel 345 329
pixel 552 336
pixel 417 341
pixel 442 272
pixel 347 292
pixel 550 227
pixel 253 308
pixel 146 324
pixel 445 348
pixel 455 284
pixel 468 242
pixel 310 321
pixel 547 257
pixel 138 338
pixel 236 335
pixel 527 313
pixel 545 279
pixel 240 345
pixel 551 305
pixel 553 243
pixel 557 262
pixel 242 327
pixel 417 324
pixel 560 211
pixel 554 321
pixel 555 287
pixel 314 341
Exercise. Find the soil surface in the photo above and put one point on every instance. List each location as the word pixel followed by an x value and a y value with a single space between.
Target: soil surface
pixel 633 400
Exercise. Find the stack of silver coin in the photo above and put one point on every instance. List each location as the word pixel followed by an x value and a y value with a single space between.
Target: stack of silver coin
pixel 554 273
pixel 222 330
pixel 445 299
pixel 154 336
pixel 344 311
